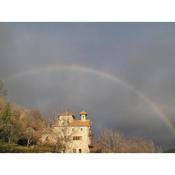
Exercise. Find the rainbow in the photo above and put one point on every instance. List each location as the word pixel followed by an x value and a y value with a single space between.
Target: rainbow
pixel 105 75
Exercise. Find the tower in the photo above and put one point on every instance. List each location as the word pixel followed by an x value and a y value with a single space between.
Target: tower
pixel 83 115
pixel 75 133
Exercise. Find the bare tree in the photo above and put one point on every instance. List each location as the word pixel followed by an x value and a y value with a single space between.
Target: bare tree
pixel 31 135
pixel 59 135
pixel 3 91
pixel 138 145
pixel 64 138
pixel 110 141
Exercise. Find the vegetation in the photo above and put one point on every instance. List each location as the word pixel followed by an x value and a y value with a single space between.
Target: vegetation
pixel 110 141
pixel 3 91
pixel 19 127
pixel 21 130
pixel 172 150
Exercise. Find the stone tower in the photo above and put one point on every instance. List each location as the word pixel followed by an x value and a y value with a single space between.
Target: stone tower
pixel 76 131
pixel 83 115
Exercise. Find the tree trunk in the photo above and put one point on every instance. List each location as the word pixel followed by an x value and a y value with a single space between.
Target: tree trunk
pixel 28 142
pixel 9 140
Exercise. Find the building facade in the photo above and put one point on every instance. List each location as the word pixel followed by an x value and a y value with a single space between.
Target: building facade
pixel 73 134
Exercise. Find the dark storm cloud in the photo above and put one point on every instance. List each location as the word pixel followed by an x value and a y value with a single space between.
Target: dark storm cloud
pixel 141 54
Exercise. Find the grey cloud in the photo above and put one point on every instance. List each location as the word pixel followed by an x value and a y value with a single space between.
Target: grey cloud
pixel 141 54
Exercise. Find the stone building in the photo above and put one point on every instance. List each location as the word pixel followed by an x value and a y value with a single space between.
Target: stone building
pixel 73 135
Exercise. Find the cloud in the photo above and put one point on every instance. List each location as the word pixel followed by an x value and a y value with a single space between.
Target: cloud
pixel 141 54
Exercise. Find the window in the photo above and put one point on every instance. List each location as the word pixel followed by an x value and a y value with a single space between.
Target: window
pixel 77 137
pixel 80 151
pixel 74 150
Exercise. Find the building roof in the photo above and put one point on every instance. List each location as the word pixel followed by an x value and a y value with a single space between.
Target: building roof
pixel 80 123
pixel 83 113
pixel 66 114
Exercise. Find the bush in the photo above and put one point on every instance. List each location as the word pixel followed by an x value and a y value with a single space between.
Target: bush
pixel 14 148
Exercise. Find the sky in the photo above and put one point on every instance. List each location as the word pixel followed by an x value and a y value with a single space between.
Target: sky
pixel 101 68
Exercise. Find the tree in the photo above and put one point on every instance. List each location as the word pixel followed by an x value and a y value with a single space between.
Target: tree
pixel 30 135
pixel 64 138
pixel 32 124
pixel 36 120
pixel 8 132
pixel 3 91
pixel 110 141
pixel 59 135
pixel 138 145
